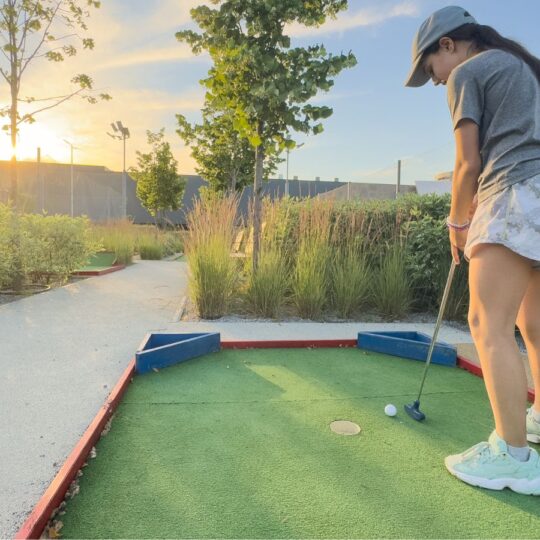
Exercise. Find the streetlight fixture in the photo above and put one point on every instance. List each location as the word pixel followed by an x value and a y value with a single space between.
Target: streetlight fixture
pixel 72 148
pixel 121 133
pixel 287 179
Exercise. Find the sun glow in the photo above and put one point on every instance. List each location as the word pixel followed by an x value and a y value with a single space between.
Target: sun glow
pixel 30 138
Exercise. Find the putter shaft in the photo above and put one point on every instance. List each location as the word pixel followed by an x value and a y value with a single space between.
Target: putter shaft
pixel 437 326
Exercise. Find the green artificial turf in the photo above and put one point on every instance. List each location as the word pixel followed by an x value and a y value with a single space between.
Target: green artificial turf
pixel 237 444
pixel 99 261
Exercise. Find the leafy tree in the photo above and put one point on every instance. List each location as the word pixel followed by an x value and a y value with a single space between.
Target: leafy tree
pixel 259 78
pixel 33 30
pixel 159 187
pixel 225 159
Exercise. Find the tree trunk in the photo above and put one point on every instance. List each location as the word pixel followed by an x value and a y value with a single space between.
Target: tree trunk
pixel 18 273
pixel 13 117
pixel 257 188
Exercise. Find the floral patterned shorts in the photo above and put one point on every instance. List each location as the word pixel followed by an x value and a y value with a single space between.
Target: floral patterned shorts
pixel 512 218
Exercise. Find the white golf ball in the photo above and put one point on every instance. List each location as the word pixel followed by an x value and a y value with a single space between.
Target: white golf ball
pixel 390 410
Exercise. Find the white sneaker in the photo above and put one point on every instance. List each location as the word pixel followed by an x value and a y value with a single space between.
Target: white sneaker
pixel 533 428
pixel 489 465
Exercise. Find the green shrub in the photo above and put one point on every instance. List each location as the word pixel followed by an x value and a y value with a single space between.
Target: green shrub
pixel 52 247
pixel 428 263
pixel 7 245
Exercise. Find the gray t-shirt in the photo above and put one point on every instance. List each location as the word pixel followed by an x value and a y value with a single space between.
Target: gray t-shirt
pixel 500 93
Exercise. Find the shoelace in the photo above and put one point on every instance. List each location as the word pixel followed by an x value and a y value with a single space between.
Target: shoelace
pixel 481 452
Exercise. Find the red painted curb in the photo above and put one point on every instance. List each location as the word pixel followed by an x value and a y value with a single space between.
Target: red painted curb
pixel 35 524
pixel 114 268
pixel 477 370
pixel 288 344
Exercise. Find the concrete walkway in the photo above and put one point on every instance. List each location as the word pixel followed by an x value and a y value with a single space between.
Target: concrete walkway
pixel 63 351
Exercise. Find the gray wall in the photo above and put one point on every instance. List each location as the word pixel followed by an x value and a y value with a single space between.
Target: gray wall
pixel 356 190
pixel 98 191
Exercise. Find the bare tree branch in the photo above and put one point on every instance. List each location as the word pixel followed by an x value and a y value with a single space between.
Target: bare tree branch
pixel 44 54
pixel 32 100
pixel 45 33
pixel 50 106
pixel 23 38
pixel 4 53
pixel 5 76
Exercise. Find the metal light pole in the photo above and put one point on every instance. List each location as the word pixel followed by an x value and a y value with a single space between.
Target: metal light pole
pixel 121 133
pixel 398 178
pixel 287 178
pixel 72 147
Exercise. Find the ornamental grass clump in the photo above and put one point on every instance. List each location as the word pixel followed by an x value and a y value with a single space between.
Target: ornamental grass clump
pixel 267 286
pixel 391 288
pixel 119 237
pixel 310 282
pixel 351 281
pixel 213 278
pixel 150 246
pixel 351 276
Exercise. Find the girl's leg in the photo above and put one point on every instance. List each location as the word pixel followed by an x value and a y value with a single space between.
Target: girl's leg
pixel 498 280
pixel 528 322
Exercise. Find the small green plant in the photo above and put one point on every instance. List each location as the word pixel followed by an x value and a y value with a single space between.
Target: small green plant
pixel 392 292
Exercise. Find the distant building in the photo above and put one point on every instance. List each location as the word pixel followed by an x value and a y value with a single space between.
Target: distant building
pixel 358 190
pixel 439 187
pixel 444 175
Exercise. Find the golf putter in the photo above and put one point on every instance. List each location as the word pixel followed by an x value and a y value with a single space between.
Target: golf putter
pixel 413 410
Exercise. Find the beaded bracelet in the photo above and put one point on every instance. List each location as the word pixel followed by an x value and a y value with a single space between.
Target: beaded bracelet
pixel 457 227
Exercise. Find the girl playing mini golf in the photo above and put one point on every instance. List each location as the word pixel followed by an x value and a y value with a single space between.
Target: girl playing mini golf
pixel 493 87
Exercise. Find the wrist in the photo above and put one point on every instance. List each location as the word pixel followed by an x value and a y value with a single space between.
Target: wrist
pixel 457 225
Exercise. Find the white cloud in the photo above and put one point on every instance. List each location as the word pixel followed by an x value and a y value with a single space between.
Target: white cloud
pixel 180 52
pixel 349 20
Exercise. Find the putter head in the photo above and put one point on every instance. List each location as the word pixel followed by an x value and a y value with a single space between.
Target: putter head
pixel 414 411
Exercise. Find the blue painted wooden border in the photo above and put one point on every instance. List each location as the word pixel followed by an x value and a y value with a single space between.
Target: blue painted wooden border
pixel 413 345
pixel 162 350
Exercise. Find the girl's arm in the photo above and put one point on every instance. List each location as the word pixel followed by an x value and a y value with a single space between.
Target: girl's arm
pixel 466 171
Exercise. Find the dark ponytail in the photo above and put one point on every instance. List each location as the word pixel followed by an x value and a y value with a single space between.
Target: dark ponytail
pixel 484 38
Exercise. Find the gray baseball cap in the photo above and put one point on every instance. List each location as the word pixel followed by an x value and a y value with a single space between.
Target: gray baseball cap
pixel 432 29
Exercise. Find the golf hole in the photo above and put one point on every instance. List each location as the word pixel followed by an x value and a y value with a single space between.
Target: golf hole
pixel 344 427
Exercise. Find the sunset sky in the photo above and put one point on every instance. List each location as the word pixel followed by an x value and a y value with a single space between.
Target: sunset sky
pixel 152 77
